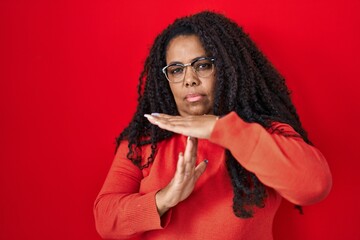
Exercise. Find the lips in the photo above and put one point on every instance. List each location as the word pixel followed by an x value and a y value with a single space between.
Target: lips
pixel 193 97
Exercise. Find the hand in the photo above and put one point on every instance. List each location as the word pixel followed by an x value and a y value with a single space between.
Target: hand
pixel 194 126
pixel 184 180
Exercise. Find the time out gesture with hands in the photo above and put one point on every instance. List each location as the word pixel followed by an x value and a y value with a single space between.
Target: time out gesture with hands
pixel 187 173
pixel 184 180
pixel 199 126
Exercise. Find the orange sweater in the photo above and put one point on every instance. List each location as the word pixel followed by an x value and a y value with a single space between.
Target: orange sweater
pixel 290 168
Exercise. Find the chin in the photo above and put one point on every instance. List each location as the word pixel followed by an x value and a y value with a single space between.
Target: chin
pixel 196 112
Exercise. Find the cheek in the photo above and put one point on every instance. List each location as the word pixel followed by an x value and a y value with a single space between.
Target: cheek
pixel 211 87
pixel 175 91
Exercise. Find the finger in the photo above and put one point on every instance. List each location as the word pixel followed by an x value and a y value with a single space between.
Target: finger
pixel 180 167
pixel 180 163
pixel 191 150
pixel 200 169
pixel 190 156
pixel 189 170
pixel 175 118
pixel 165 124
pixel 175 129
pixel 151 119
pixel 164 118
pixel 161 122
pixel 194 149
pixel 163 115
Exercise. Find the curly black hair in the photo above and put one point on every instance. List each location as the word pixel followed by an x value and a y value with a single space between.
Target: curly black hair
pixel 246 82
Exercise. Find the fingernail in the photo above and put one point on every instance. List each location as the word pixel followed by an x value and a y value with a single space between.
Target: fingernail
pixel 155 114
pixel 206 161
pixel 151 119
pixel 188 138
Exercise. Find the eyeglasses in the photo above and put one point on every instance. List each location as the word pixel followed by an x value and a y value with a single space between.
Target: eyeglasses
pixel 202 67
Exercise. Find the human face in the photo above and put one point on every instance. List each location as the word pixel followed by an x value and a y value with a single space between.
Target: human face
pixel 193 95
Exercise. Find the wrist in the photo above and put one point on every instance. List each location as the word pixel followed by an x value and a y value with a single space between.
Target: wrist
pixel 161 203
pixel 212 126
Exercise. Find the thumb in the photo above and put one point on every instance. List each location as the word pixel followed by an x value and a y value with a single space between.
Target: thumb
pixel 200 169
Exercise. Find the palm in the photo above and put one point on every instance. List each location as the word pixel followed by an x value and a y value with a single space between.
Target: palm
pixel 194 126
pixel 184 180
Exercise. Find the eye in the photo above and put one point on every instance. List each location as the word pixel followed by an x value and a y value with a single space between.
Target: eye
pixel 203 65
pixel 175 70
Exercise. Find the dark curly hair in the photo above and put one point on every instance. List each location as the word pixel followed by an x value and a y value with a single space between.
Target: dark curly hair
pixel 246 83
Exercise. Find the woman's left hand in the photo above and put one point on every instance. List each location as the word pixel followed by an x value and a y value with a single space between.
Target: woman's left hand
pixel 194 126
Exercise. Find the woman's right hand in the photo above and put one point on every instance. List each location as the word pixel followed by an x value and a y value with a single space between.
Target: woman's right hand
pixel 184 180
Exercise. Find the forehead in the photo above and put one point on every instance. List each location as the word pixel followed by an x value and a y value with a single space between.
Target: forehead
pixel 184 48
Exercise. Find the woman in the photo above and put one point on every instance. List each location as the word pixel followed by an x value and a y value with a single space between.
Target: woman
pixel 214 145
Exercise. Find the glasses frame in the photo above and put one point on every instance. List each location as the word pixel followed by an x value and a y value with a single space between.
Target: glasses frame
pixel 212 60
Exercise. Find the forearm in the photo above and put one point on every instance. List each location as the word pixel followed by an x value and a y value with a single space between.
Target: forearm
pixel 296 170
pixel 120 216
pixel 120 210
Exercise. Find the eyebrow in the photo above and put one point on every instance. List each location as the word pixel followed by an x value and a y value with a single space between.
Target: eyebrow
pixel 193 60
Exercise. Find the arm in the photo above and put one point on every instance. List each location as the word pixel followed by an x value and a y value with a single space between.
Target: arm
pixel 284 162
pixel 184 180
pixel 120 210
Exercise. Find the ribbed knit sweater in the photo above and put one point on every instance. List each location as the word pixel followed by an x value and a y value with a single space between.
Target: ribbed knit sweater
pixel 289 168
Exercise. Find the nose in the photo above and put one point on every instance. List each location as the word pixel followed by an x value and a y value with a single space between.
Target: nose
pixel 190 78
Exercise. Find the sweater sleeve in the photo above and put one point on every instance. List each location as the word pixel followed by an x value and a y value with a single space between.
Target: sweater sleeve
pixel 120 211
pixel 280 158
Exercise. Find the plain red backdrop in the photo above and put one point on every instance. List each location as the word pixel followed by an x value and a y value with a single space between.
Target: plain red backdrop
pixel 68 76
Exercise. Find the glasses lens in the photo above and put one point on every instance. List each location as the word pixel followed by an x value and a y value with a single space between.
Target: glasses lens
pixel 203 67
pixel 175 72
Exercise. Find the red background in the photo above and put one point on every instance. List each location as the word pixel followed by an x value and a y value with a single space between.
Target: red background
pixel 68 76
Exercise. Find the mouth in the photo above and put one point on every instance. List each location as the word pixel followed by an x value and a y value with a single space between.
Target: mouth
pixel 194 97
